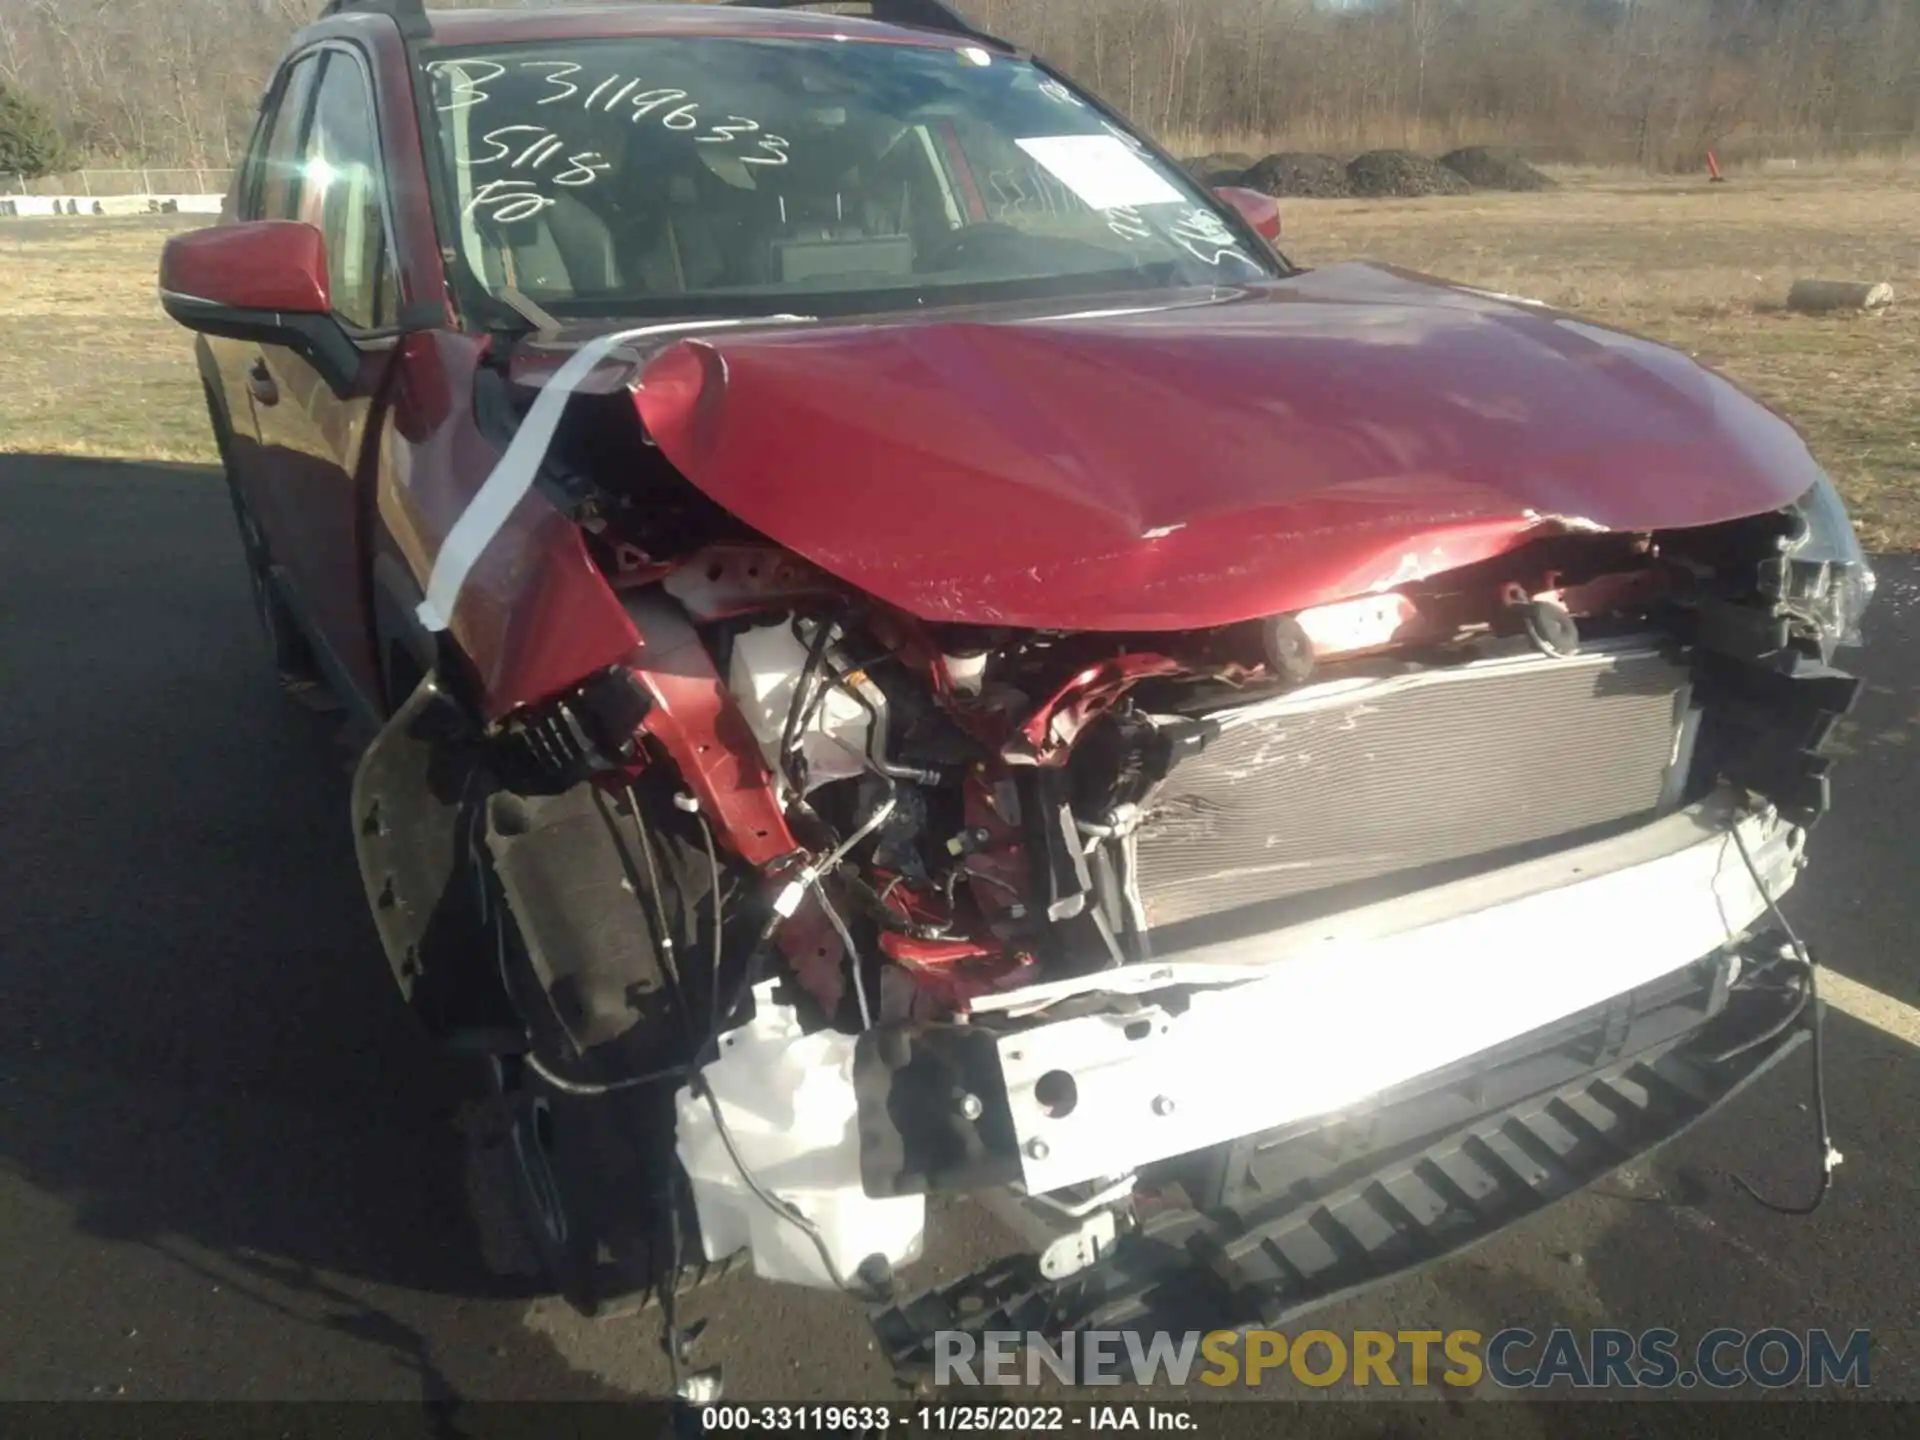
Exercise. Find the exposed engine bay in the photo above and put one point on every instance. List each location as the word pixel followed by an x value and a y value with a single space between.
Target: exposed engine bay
pixel 986 808
pixel 904 905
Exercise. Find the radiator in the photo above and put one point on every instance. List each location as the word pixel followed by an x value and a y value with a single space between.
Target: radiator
pixel 1355 780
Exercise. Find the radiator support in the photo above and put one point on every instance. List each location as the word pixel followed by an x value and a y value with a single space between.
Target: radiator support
pixel 1350 781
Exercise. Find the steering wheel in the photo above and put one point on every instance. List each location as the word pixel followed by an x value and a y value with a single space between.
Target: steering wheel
pixel 955 250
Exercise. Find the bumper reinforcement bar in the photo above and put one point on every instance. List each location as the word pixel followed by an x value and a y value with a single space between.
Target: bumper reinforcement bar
pixel 1266 1264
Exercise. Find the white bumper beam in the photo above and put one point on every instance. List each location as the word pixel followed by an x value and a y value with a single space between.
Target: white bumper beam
pixel 1307 1021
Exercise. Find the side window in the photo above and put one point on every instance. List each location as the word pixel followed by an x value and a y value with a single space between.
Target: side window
pixel 273 170
pixel 342 193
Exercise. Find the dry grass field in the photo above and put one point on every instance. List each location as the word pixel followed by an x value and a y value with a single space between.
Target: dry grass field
pixel 1704 267
pixel 94 368
pixel 93 365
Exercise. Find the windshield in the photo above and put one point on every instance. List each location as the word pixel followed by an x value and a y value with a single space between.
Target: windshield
pixel 670 175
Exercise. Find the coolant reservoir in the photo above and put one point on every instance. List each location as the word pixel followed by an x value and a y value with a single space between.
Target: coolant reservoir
pixel 762 674
pixel 789 1106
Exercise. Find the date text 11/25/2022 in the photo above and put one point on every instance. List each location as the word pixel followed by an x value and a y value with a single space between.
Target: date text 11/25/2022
pixel 941 1419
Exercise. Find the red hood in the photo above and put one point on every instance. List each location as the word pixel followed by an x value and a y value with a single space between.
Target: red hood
pixel 1338 433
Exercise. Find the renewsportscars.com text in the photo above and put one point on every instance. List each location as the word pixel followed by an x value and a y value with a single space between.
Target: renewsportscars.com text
pixel 1513 1359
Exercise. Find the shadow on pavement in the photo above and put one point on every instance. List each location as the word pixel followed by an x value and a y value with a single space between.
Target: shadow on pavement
pixel 202 1049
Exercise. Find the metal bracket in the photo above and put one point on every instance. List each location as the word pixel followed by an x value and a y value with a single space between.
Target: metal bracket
pixel 1068 1236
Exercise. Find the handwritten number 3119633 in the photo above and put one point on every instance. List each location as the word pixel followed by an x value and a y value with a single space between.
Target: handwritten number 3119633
pixel 675 110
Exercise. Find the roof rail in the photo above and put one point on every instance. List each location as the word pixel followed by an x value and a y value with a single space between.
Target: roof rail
pixel 919 14
pixel 411 15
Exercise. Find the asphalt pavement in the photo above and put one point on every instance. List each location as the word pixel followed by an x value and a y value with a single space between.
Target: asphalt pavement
pixel 228 1171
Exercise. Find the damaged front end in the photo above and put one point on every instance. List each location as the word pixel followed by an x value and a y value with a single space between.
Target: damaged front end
pixel 1187 900
pixel 1233 964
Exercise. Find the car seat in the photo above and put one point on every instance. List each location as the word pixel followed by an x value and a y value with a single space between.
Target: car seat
pixel 564 251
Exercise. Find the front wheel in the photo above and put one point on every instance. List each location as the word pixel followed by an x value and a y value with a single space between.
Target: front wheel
pixel 526 1138
pixel 595 1187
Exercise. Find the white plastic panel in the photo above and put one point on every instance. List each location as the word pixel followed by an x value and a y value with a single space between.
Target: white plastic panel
pixel 1330 1022
pixel 789 1106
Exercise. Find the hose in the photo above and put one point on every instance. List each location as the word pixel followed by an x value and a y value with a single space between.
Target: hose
pixel 800 709
pixel 719 912
pixel 853 955
pixel 1775 1030
pixel 1830 1157
pixel 610 1087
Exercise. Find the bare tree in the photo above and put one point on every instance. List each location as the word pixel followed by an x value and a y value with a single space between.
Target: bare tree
pixel 173 82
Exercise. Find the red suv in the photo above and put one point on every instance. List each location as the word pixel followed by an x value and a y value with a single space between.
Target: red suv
pixel 906 650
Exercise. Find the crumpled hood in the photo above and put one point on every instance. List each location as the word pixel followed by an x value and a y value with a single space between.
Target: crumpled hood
pixel 1337 433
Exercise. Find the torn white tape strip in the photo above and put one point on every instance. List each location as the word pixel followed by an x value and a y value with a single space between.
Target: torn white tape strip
pixel 513 476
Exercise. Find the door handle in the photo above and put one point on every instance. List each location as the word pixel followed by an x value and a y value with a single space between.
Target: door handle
pixel 260 383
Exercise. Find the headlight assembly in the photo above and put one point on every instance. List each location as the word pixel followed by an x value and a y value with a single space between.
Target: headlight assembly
pixel 1822 577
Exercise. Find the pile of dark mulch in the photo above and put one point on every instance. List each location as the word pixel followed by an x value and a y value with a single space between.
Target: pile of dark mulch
pixel 1488 167
pixel 1400 172
pixel 1302 173
pixel 1229 167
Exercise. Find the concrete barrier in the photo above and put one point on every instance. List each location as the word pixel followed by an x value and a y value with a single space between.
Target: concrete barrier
pixel 1816 297
pixel 25 205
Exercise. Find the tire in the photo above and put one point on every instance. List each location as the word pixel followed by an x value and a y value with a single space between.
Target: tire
pixel 593 1178
pixel 528 1136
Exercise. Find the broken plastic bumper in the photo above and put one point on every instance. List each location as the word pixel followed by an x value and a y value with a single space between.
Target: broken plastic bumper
pixel 1250 1034
pixel 1093 1078
pixel 1086 1081
pixel 1391 1086
pixel 1267 1259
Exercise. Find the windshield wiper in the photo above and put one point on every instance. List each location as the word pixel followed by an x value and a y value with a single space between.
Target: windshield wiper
pixel 524 306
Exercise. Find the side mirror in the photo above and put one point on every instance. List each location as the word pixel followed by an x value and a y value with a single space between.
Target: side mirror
pixel 1260 211
pixel 261 280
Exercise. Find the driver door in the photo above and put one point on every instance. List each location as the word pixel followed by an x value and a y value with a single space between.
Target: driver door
pixel 312 443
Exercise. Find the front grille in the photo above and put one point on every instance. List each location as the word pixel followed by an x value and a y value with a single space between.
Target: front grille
pixel 1353 781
